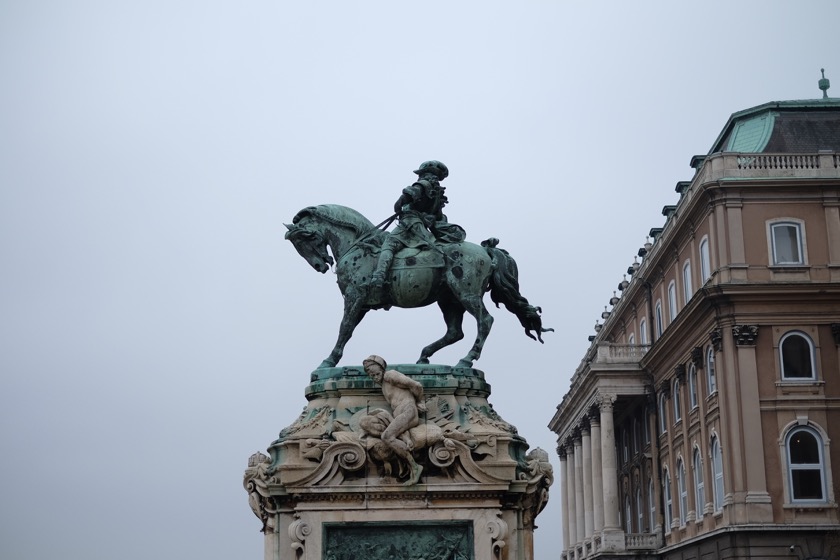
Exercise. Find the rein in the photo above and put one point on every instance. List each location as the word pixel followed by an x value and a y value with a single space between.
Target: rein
pixel 383 225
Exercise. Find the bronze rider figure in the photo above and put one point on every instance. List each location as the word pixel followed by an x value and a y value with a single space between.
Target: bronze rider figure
pixel 421 220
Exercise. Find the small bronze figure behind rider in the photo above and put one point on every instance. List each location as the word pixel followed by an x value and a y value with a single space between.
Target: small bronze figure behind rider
pixel 421 220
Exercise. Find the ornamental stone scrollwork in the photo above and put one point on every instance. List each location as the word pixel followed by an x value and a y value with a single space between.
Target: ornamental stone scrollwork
pixel 716 339
pixel 487 417
pixel 298 531
pixel 745 335
pixel 498 530
pixel 256 482
pixel 539 474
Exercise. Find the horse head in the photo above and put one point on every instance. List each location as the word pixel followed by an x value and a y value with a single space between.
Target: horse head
pixel 311 245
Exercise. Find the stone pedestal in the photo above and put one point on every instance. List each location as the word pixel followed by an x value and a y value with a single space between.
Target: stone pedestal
pixel 331 491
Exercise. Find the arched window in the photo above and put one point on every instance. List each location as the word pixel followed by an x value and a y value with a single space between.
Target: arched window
pixel 659 325
pixel 710 370
pixel 669 511
pixel 699 488
pixel 625 443
pixel 643 336
pixel 717 473
pixel 637 436
pixel 676 400
pixel 683 490
pixel 687 291
pixel 628 515
pixel 797 356
pixel 640 512
pixel 672 302
pixel 651 507
pixel 806 466
pixel 705 263
pixel 631 340
pixel 692 386
pixel 663 416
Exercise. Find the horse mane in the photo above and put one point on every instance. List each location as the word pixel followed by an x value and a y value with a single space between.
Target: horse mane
pixel 340 216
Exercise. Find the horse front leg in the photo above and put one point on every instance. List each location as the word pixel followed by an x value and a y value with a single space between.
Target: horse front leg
pixel 353 314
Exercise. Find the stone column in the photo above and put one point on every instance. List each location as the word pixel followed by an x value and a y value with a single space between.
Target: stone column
pixel 564 494
pixel 597 474
pixel 612 538
pixel 758 504
pixel 579 511
pixel 586 448
pixel 570 478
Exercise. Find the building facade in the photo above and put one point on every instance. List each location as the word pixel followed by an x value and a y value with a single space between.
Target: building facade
pixel 704 419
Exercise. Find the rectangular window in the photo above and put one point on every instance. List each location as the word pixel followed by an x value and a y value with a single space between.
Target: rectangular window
pixel 787 243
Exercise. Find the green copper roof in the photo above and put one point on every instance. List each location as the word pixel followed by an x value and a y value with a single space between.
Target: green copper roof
pixel 752 134
pixel 751 129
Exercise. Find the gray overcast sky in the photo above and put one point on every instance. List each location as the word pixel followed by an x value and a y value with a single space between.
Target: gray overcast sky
pixel 156 329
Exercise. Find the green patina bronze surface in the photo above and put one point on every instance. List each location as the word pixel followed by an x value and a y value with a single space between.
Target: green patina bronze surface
pixel 399 541
pixel 424 261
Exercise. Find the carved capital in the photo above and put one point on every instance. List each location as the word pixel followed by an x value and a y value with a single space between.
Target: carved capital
pixel 605 401
pixel 745 335
pixel 716 340
pixel 835 332
pixel 665 387
pixel 561 452
pixel 584 425
pixel 679 371
pixel 594 416
pixel 697 357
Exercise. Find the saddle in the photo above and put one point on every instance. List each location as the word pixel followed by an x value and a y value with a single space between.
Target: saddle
pixel 417 257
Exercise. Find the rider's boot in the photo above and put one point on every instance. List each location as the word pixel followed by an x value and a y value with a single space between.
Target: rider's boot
pixel 377 279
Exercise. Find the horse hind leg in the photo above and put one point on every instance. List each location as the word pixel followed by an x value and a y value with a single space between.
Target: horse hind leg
pixel 453 315
pixel 484 321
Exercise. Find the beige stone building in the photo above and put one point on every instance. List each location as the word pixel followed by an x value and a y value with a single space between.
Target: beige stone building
pixel 704 419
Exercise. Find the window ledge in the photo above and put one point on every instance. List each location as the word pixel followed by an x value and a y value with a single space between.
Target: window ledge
pixel 813 506
pixel 803 387
pixel 793 267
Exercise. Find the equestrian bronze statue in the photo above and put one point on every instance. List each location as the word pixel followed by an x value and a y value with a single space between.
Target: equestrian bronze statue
pixel 424 261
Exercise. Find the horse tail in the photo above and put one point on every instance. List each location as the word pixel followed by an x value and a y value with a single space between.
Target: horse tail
pixel 504 289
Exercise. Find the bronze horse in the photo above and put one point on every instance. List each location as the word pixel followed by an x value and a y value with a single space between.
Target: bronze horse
pixel 456 276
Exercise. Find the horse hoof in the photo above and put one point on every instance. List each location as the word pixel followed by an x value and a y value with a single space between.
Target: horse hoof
pixel 326 364
pixel 464 364
pixel 423 361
